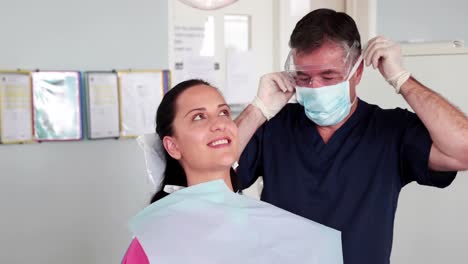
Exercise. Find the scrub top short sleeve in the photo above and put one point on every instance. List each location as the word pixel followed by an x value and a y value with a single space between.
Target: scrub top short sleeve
pixel 414 155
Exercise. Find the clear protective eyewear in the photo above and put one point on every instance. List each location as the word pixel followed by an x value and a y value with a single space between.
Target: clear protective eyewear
pixel 321 74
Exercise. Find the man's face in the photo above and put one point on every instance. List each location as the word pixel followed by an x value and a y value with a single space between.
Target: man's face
pixel 324 66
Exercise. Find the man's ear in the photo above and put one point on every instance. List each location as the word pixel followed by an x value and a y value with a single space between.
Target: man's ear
pixel 170 144
pixel 357 77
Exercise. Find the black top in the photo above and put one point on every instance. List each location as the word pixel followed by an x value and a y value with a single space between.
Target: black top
pixel 352 183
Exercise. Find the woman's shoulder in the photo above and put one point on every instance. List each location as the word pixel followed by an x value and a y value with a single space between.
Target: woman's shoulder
pixel 135 254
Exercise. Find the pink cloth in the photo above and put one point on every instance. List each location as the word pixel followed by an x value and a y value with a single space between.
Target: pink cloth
pixel 135 254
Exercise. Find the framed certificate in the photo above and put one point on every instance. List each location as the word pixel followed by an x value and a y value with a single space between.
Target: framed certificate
pixel 102 105
pixel 140 95
pixel 15 107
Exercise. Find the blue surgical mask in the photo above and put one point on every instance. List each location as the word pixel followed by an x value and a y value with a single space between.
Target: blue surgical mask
pixel 327 105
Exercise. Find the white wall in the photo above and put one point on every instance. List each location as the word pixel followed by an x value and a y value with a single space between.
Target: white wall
pixel 428 20
pixel 70 202
pixel 98 34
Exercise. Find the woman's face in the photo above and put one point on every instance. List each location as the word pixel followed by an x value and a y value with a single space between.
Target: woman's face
pixel 205 137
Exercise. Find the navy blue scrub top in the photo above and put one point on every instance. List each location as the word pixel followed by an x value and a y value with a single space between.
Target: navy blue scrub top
pixel 351 183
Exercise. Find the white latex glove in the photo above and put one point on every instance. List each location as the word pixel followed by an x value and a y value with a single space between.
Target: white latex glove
pixel 386 55
pixel 274 92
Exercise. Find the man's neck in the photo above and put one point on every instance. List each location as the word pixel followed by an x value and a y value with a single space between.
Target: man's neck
pixel 326 132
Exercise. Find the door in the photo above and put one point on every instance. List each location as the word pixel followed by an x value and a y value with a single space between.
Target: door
pixel 204 43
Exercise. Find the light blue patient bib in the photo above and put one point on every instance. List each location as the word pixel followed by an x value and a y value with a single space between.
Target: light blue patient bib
pixel 208 223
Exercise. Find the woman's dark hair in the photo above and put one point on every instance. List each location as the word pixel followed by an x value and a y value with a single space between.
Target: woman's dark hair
pixel 322 24
pixel 174 174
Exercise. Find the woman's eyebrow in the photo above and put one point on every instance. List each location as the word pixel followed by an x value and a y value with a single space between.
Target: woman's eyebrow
pixel 195 109
pixel 204 109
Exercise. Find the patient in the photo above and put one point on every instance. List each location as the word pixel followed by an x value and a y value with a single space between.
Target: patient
pixel 209 222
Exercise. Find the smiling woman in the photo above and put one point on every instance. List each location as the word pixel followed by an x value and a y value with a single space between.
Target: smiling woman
pixel 194 123
pixel 206 221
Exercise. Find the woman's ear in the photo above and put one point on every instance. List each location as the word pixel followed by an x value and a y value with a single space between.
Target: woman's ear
pixel 170 144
